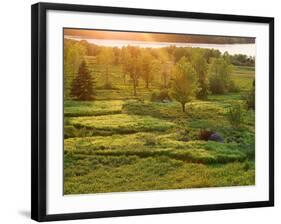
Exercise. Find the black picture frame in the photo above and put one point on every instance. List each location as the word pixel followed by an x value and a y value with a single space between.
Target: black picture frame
pixel 38 108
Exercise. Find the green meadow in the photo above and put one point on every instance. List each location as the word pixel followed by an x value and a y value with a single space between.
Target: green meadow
pixel 120 143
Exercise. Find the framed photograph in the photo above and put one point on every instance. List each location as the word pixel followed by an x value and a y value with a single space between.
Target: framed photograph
pixel 140 111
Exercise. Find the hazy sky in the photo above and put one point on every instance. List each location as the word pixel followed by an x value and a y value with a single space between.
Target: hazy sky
pixel 233 45
pixel 155 37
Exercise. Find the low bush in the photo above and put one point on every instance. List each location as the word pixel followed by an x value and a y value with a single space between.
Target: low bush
pixel 183 135
pixel 205 134
pixel 232 87
pixel 216 137
pixel 217 85
pixel 162 96
pixel 187 134
pixel 250 99
pixel 235 115
pixel 109 86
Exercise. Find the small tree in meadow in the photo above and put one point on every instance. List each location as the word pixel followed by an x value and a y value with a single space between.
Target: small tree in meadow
pixel 134 66
pixel 146 68
pixel 83 85
pixel 106 58
pixel 235 115
pixel 184 85
pixel 201 67
pixel 219 75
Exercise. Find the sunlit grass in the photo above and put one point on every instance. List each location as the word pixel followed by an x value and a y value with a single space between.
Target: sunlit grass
pixel 121 123
pixel 129 173
pixel 121 143
pixel 92 108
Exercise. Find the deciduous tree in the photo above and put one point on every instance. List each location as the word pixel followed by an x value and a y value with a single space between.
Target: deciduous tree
pixel 146 67
pixel 106 59
pixel 200 65
pixel 219 75
pixel 184 85
pixel 133 67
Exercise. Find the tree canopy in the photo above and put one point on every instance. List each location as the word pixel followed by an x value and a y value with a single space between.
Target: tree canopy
pixel 184 85
pixel 219 75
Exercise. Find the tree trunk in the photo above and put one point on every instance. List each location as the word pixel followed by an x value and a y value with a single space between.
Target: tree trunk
pixel 135 87
pixel 183 107
pixel 165 81
pixel 106 77
pixel 147 84
pixel 124 78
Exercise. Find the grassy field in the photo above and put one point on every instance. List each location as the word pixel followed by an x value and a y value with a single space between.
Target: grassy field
pixel 122 143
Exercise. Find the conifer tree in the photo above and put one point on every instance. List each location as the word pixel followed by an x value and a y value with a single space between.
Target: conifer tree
pixel 83 84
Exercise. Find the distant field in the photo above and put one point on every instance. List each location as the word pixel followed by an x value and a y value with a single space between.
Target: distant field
pixel 243 76
pixel 120 143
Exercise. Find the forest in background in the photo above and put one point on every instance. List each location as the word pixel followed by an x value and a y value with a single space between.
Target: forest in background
pixel 153 65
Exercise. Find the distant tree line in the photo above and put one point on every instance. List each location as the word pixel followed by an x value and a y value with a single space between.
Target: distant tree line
pixel 185 72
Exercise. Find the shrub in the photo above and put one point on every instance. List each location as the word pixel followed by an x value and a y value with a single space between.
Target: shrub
pixel 109 86
pixel 248 165
pixel 162 96
pixel 216 137
pixel 235 115
pixel 250 97
pixel 220 81
pixel 232 87
pixel 183 135
pixel 250 100
pixel 219 75
pixel 205 134
pixel 153 97
pixel 250 151
pixel 217 85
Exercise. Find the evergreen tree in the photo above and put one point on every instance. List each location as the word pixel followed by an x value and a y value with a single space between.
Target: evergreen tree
pixel 83 84
pixel 74 52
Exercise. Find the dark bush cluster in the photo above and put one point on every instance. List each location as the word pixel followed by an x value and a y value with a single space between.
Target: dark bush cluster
pixel 205 134
pixel 216 137
pixel 208 135
pixel 162 96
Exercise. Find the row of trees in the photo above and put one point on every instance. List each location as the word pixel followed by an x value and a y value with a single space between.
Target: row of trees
pixel 151 63
pixel 188 81
pixel 192 76
pixel 176 52
pixel 198 79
